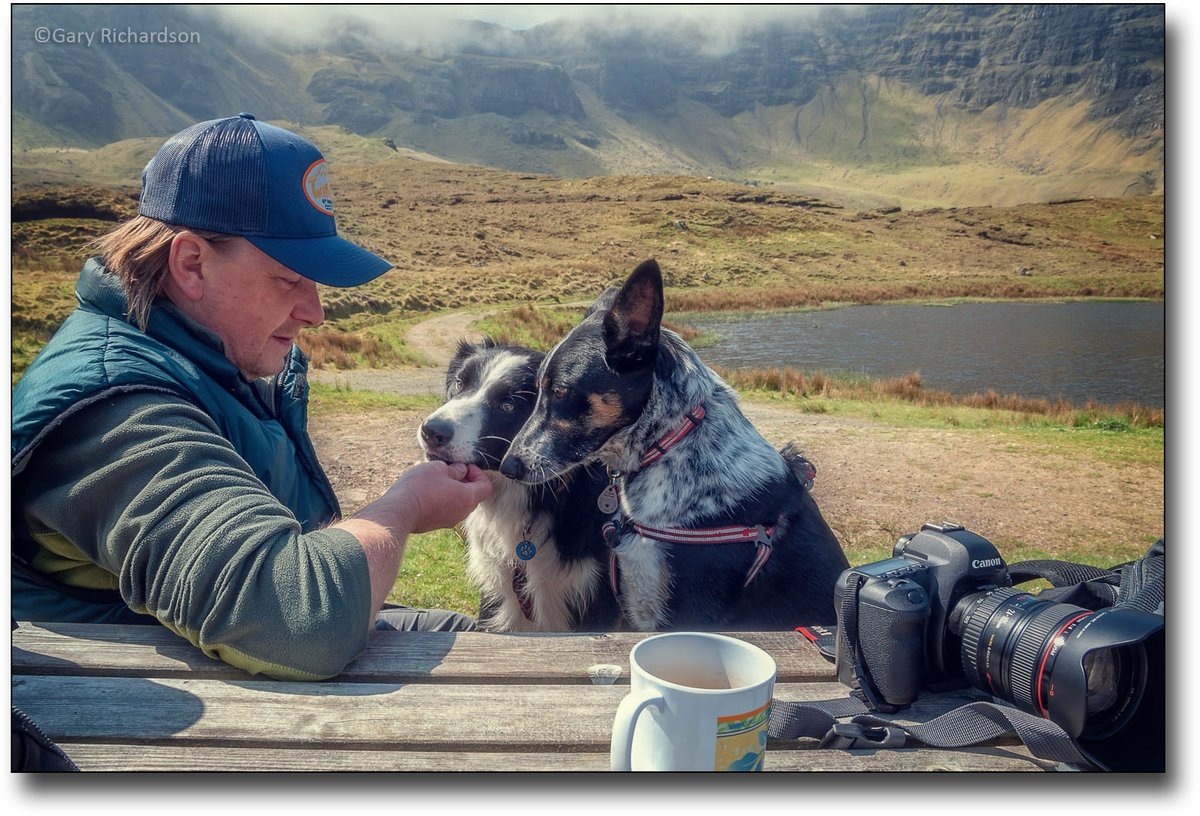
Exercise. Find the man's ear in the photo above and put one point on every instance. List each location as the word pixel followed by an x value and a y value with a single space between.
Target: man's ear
pixel 185 264
pixel 632 323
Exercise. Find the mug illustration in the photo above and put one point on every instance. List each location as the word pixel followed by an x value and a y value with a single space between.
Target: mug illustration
pixel 742 740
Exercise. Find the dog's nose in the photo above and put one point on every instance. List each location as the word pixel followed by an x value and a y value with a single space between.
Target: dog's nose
pixel 512 467
pixel 436 433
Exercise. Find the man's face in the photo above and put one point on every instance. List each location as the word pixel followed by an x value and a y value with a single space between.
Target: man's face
pixel 255 305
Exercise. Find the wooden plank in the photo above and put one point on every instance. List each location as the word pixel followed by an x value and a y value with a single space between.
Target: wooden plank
pixel 989 758
pixel 418 716
pixel 555 658
pixel 428 716
pixel 106 649
pixel 99 757
pixel 398 657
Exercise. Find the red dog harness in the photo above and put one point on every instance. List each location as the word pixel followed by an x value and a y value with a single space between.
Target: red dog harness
pixel 760 535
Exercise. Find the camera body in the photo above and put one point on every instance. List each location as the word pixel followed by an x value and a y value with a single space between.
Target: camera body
pixel 897 627
pixel 942 612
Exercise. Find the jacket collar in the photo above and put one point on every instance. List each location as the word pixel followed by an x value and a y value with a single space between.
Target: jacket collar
pixel 100 291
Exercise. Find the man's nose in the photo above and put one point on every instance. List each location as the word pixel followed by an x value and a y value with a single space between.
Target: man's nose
pixel 309 310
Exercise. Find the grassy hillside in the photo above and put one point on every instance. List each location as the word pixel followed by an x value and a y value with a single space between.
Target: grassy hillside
pixel 465 237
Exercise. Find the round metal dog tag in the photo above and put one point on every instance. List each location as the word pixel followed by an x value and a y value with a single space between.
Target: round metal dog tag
pixel 526 550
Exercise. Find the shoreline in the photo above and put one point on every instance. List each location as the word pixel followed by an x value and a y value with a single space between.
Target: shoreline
pixel 938 302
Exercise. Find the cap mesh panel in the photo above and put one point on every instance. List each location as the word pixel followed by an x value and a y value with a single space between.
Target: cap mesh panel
pixel 211 180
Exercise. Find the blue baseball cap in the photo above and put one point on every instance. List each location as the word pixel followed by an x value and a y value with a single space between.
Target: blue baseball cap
pixel 240 176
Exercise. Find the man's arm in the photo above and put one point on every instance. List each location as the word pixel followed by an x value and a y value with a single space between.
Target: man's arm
pixel 145 487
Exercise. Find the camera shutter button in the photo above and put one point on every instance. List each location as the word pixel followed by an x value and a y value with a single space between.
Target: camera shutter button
pixel 916 597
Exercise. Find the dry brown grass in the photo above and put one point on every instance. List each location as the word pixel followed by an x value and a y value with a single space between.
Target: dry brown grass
pixel 790 382
pixel 542 328
pixel 530 327
pixel 329 348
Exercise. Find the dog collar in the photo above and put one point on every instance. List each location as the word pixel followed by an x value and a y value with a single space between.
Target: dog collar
pixel 609 501
pixel 610 498
pixel 690 422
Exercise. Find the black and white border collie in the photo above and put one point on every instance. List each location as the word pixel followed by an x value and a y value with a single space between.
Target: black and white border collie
pixel 535 553
pixel 715 529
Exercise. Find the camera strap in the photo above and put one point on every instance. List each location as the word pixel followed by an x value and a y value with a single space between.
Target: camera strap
pixel 1139 584
pixel 848 631
pixel 967 725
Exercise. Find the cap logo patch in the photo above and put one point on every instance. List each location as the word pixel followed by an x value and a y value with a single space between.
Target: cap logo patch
pixel 316 186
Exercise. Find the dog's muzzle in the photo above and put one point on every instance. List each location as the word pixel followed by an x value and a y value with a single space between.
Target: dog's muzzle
pixel 436 433
pixel 513 468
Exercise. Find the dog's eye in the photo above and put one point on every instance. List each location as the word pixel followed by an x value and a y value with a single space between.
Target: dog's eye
pixel 560 391
pixel 455 387
pixel 508 406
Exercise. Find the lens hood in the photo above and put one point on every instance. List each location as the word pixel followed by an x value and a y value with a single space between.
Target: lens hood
pixel 1104 681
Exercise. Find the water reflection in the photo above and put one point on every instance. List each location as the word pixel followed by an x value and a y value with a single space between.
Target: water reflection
pixel 1111 352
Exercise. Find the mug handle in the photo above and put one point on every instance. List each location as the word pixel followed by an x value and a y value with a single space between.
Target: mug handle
pixel 621 753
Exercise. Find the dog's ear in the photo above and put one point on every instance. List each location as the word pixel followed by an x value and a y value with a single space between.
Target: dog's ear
pixel 631 324
pixel 465 349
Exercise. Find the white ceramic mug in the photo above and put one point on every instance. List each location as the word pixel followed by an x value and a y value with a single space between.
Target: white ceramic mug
pixel 697 702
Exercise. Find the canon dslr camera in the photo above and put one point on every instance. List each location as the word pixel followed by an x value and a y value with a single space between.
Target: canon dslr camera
pixel 942 612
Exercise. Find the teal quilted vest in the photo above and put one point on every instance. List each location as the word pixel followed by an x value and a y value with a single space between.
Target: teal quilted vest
pixel 98 353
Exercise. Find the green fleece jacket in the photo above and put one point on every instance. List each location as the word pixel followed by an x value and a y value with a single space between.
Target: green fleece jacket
pixel 138 502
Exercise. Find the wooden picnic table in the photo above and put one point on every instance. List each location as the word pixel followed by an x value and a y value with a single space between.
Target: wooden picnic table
pixel 139 698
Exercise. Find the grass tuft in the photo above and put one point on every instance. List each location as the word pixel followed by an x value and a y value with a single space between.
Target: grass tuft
pixel 330 348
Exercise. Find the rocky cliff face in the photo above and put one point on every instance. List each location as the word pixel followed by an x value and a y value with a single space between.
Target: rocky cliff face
pixel 570 99
pixel 1022 55
pixel 974 55
pixel 364 91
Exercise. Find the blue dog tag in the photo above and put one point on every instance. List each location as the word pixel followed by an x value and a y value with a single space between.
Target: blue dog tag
pixel 526 550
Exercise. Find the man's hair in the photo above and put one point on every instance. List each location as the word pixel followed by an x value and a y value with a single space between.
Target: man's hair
pixel 137 252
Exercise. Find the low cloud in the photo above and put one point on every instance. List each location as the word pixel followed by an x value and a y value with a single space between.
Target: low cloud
pixel 445 28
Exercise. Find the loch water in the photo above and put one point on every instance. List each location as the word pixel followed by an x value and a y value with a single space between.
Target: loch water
pixel 1111 352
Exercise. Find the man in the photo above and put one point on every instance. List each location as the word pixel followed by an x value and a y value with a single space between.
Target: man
pixel 162 469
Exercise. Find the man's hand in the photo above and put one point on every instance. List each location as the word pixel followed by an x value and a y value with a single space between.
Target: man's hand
pixel 428 496
pixel 439 495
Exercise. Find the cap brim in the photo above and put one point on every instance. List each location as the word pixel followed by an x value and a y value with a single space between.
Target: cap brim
pixel 331 260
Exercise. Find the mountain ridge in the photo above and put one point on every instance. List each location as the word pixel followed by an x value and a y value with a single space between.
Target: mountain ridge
pixel 917 105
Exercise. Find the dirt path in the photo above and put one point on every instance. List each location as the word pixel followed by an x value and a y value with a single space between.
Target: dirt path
pixel 875 482
pixel 436 339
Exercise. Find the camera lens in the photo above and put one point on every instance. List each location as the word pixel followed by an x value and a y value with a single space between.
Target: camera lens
pixel 1007 640
pixel 1103 669
pixel 1090 672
